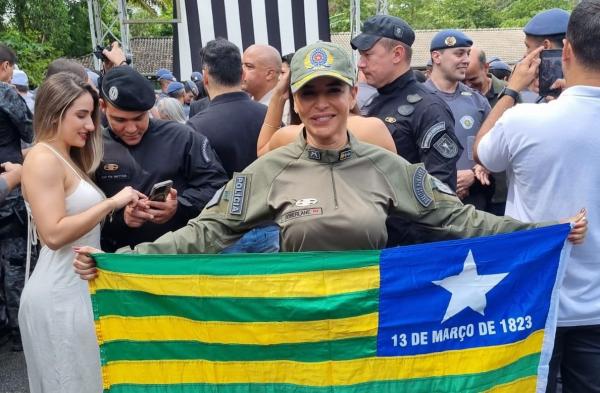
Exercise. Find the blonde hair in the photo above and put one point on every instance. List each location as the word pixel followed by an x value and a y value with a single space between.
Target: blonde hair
pixel 55 96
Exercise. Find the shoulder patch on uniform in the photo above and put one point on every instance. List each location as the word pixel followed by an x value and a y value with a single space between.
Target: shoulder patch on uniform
pixel 431 133
pixel 441 186
pixel 446 146
pixel 419 187
pixel 413 98
pixel 215 199
pixel 237 201
pixel 205 151
pixel 406 110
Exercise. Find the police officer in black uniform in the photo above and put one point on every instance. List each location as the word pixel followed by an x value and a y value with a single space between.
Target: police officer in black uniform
pixel 420 122
pixel 139 151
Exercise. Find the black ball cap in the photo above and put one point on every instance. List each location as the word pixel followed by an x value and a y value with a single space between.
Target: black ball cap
pixel 126 89
pixel 379 26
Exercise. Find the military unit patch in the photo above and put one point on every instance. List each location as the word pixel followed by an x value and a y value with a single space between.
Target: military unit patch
pixel 467 122
pixel 390 119
pixel 345 154
pixel 236 204
pixel 441 186
pixel 431 133
pixel 318 58
pixel 446 146
pixel 314 154
pixel 419 187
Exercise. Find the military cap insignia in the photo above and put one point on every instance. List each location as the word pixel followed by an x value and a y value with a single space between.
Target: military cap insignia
pixel 318 58
pixel 398 32
pixel 419 187
pixel 446 147
pixel 406 110
pixel 113 93
pixel 390 119
pixel 450 41
pixel 413 98
pixel 111 167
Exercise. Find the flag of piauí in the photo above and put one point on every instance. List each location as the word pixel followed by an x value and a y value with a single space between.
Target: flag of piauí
pixel 458 316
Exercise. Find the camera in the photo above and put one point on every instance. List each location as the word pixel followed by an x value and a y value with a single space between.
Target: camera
pixel 100 56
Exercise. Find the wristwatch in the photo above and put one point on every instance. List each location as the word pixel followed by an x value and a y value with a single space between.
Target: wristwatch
pixel 511 93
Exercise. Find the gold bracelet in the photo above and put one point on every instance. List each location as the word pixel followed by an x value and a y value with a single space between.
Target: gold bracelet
pixel 270 125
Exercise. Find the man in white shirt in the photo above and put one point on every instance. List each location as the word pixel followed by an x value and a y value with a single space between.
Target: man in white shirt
pixel 262 68
pixel 550 154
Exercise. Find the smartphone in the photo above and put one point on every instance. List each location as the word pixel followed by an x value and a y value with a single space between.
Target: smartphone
pixel 550 70
pixel 160 191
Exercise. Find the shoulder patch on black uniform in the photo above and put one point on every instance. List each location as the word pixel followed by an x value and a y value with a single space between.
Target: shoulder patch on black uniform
pixel 216 198
pixel 419 187
pixel 446 146
pixel 431 133
pixel 205 151
pixel 237 201
pixel 406 110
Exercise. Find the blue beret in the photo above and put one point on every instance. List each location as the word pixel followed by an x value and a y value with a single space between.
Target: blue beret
pixel 126 89
pixel 549 22
pixel 499 65
pixel 450 39
pixel 167 76
pixel 174 86
pixel 379 26
pixel 196 76
pixel 161 71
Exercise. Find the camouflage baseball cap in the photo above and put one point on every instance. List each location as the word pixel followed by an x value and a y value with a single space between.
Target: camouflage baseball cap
pixel 321 59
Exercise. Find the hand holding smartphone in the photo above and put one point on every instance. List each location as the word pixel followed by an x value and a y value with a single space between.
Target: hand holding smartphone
pixel 550 70
pixel 160 191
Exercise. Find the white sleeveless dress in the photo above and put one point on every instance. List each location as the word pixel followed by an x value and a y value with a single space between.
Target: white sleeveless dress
pixel 55 316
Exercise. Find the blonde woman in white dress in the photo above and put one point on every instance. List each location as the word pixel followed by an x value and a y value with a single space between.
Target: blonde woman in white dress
pixel 55 316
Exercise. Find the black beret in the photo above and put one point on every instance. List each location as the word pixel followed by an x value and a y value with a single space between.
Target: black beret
pixel 379 26
pixel 126 89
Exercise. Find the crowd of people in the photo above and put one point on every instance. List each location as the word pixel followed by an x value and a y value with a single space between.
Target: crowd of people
pixel 259 152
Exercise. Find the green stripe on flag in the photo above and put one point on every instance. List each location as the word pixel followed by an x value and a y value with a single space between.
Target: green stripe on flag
pixel 141 304
pixel 469 383
pixel 236 264
pixel 346 349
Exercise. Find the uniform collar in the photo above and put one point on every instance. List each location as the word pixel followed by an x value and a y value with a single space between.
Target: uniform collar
pixel 325 156
pixel 229 97
pixel 398 84
pixel 582 91
pixel 496 86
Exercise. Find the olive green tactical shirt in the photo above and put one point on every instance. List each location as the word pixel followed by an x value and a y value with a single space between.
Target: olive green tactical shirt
pixel 328 200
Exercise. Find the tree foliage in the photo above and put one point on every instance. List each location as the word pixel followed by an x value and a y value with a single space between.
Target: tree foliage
pixel 438 14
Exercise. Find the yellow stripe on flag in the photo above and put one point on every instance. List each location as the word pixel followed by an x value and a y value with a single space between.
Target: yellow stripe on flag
pixel 305 284
pixel 264 333
pixel 334 373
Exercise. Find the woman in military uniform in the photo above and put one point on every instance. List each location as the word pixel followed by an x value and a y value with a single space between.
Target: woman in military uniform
pixel 327 190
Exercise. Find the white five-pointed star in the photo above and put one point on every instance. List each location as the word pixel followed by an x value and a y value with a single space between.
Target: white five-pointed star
pixel 468 289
